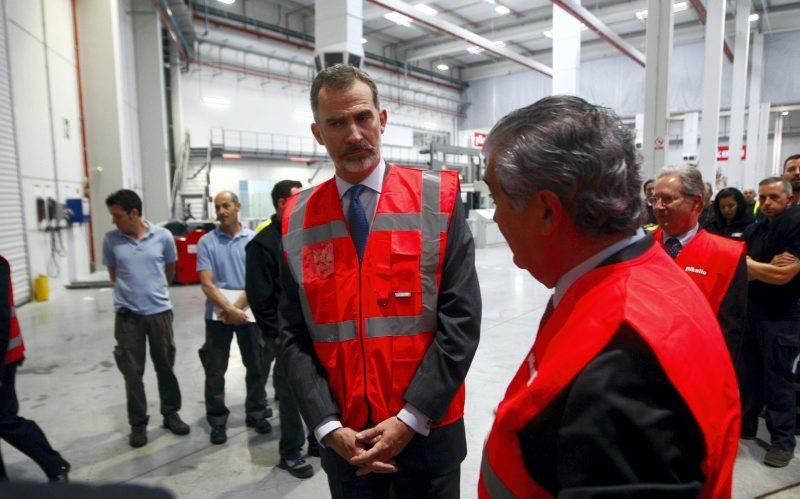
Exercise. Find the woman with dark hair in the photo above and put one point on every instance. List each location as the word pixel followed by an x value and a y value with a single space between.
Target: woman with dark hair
pixel 731 215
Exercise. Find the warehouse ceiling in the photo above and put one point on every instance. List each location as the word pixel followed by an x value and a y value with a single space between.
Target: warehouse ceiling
pixel 519 26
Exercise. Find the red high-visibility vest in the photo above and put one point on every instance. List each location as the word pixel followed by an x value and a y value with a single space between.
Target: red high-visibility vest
pixel 372 323
pixel 16 348
pixel 661 305
pixel 711 261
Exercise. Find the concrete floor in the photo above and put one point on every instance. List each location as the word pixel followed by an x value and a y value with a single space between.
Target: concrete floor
pixel 71 387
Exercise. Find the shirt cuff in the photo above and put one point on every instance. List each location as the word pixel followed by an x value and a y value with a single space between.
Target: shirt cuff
pixel 328 426
pixel 414 418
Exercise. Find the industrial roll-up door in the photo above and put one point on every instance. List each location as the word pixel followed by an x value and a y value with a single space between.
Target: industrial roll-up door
pixel 12 223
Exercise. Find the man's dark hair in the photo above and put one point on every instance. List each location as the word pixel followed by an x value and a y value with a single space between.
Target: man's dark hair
pixel 283 190
pixel 790 158
pixel 646 183
pixel 125 199
pixel 581 152
pixel 340 77
pixel 787 186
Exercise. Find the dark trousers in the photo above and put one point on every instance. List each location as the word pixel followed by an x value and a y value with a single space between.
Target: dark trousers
pixel 22 433
pixel 131 332
pixel 292 437
pixel 429 467
pixel 214 356
pixel 766 362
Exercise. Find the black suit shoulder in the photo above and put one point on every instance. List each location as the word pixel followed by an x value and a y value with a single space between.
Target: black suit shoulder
pixel 619 423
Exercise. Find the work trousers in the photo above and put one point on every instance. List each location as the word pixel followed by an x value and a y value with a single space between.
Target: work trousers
pixel 131 332
pixel 292 437
pixel 766 362
pixel 214 356
pixel 22 433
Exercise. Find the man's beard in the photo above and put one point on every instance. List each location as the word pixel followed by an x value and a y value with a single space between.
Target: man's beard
pixel 359 163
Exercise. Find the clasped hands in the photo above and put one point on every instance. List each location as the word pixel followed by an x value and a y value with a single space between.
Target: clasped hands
pixel 234 316
pixel 372 450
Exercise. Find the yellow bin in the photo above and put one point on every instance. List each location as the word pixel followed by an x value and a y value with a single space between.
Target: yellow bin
pixel 41 288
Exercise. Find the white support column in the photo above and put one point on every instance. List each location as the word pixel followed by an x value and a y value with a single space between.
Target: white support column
pixel 712 87
pixel 566 52
pixel 777 145
pixel 152 111
pixel 764 168
pixel 338 27
pixel 751 172
pixel 735 164
pixel 691 125
pixel 656 113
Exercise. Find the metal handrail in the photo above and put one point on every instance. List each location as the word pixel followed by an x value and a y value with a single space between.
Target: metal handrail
pixel 246 141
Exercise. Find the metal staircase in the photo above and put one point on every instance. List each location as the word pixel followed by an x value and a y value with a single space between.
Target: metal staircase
pixel 190 185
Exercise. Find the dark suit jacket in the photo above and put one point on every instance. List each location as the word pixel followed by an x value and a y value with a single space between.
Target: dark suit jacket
pixel 648 438
pixel 442 370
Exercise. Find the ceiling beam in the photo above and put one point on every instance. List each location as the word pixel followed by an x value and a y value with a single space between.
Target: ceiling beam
pixel 471 38
pixel 603 31
pixel 521 32
pixel 702 15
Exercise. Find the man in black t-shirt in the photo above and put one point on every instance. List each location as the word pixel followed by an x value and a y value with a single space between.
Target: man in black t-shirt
pixel 772 342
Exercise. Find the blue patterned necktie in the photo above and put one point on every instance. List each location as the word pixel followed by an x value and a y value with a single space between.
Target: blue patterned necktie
pixel 673 247
pixel 357 219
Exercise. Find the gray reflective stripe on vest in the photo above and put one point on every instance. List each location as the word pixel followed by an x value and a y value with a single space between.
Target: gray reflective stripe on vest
pixel 404 221
pixel 431 228
pixel 14 343
pixel 493 484
pixel 378 327
pixel 331 333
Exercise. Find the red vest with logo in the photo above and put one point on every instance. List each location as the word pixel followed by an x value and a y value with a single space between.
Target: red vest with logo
pixel 711 261
pixel 371 323
pixel 16 348
pixel 686 342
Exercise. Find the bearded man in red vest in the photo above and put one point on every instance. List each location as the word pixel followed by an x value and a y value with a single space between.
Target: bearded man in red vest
pixel 628 390
pixel 380 310
pixel 716 264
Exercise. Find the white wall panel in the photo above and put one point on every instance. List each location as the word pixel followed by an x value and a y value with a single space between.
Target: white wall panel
pixel 58 23
pixel 30 101
pixel 64 94
pixel 27 14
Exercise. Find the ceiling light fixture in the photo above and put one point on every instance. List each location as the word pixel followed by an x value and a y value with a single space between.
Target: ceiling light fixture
pixel 399 18
pixel 500 43
pixel 226 2
pixel 442 67
pixel 231 155
pixel 677 7
pixel 474 49
pixel 785 113
pixel 753 17
pixel 216 101
pixel 548 33
pixel 299 159
pixel 429 124
pixel 502 10
pixel 425 9
pixel 363 41
pixel 490 1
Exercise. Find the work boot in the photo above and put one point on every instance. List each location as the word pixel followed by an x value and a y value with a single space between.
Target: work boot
pixel 297 467
pixel 260 425
pixel 218 435
pixel 778 458
pixel 62 476
pixel 173 423
pixel 138 436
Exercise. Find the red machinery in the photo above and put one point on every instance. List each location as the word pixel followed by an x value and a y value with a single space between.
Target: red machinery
pixel 186 272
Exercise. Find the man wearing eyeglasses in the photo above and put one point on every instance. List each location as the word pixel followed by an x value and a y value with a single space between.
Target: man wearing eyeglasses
pixel 716 264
